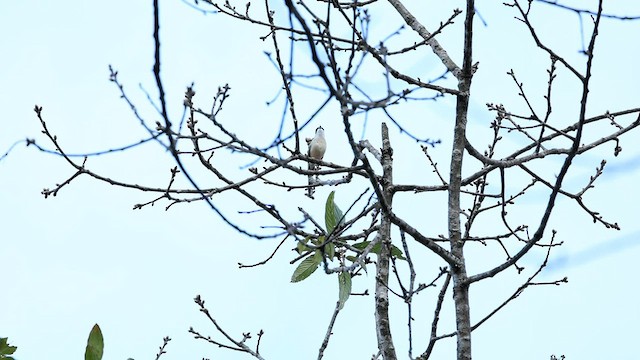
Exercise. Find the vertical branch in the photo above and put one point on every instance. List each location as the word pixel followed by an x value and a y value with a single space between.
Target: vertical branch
pixel 383 328
pixel 286 82
pixel 459 272
pixel 156 70
pixel 325 342
pixel 436 318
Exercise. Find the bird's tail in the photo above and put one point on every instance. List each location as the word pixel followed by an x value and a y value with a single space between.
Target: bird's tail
pixel 311 189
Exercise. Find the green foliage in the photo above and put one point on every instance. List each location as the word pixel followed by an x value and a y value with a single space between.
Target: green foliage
pixel 95 344
pixel 330 250
pixel 333 216
pixel 6 349
pixel 302 246
pixel 344 286
pixel 307 267
pixel 395 251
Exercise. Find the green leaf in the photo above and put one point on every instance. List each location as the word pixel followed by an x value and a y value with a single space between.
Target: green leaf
pixel 362 245
pixel 330 250
pixel 6 349
pixel 332 213
pixel 307 267
pixel 344 287
pixel 302 245
pixel 362 264
pixel 95 344
pixel 395 251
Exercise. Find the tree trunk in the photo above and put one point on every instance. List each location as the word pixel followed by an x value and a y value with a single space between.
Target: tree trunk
pixel 383 328
pixel 459 272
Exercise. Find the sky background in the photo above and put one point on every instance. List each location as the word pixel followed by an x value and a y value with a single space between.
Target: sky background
pixel 85 257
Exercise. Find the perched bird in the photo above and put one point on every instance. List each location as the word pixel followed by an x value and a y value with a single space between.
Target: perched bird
pixel 317 148
pixel 318 145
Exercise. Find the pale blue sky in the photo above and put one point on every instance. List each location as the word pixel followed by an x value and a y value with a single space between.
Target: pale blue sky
pixel 86 257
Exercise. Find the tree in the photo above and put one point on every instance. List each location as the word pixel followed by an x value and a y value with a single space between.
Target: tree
pixel 376 230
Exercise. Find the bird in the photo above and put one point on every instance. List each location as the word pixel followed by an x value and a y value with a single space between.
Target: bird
pixel 317 148
pixel 318 145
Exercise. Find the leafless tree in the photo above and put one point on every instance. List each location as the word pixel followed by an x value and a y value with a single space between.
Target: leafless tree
pixel 335 40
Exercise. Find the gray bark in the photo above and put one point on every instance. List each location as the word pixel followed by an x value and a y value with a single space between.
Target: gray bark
pixel 383 328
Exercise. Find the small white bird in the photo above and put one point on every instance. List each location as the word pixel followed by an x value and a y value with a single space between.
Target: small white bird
pixel 317 148
pixel 318 145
